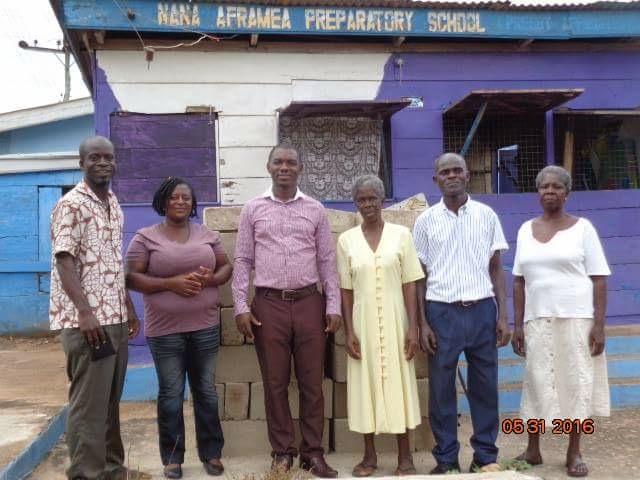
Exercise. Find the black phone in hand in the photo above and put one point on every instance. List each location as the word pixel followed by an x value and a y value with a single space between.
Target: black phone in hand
pixel 104 350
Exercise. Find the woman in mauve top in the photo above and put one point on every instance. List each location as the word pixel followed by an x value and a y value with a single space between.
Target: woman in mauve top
pixel 178 266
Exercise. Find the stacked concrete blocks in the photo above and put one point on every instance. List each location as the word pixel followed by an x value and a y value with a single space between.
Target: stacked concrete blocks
pixel 240 386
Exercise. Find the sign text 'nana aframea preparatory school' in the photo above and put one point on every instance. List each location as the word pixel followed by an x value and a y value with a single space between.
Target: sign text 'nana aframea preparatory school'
pixel 163 16
pixel 320 19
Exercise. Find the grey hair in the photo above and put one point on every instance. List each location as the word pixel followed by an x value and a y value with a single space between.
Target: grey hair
pixel 368 181
pixel 447 156
pixel 561 173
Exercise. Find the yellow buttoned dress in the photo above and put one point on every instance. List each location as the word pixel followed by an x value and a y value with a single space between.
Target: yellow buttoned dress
pixel 382 393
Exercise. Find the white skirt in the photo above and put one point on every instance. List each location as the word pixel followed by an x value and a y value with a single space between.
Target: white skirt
pixel 561 378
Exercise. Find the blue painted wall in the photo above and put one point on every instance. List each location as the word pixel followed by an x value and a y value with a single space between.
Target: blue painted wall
pixel 61 136
pixel 28 199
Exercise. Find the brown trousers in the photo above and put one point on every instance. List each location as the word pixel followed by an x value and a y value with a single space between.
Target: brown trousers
pixel 291 328
pixel 93 424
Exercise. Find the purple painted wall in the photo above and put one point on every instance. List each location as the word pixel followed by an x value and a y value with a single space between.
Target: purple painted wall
pixel 150 148
pixel 610 80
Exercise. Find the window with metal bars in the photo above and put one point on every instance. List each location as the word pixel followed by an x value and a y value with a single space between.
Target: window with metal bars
pixel 600 150
pixel 496 132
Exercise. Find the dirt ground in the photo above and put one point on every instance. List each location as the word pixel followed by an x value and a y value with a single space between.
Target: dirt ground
pixel 611 452
pixel 33 388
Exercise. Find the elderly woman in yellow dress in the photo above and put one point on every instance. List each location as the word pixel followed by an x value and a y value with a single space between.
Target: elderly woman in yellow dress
pixel 560 297
pixel 378 267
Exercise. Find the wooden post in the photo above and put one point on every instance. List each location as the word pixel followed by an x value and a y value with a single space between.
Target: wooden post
pixel 474 127
pixel 567 158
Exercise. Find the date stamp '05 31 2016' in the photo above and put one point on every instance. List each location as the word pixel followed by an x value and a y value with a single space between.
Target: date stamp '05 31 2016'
pixel 560 426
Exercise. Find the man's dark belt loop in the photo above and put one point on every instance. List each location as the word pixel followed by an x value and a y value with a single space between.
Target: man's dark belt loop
pixel 289 294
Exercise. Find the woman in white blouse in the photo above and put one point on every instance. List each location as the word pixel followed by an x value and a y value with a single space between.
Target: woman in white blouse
pixel 559 297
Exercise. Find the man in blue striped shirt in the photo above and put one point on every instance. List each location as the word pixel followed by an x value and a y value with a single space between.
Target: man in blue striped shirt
pixel 459 242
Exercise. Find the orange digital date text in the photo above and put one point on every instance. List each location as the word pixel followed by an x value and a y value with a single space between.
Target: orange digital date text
pixel 560 426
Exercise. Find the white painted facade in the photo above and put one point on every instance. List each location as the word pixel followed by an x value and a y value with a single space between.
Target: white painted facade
pixel 246 88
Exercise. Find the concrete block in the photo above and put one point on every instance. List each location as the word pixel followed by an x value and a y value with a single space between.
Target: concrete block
pixel 222 219
pixel 339 400
pixel 238 364
pixel 225 296
pixel 423 396
pixel 220 391
pixel 236 401
pixel 251 437
pixel 401 217
pixel 244 438
pixel 337 363
pixel 228 240
pixel 230 333
pixel 424 440
pixel 340 220
pixel 257 410
pixel 421 364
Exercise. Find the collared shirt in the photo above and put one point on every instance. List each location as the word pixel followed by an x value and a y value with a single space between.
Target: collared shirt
pixel 290 246
pixel 456 250
pixel 83 226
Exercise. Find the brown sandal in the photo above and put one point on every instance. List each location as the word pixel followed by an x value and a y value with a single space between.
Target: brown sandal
pixel 406 470
pixel 523 458
pixel 363 470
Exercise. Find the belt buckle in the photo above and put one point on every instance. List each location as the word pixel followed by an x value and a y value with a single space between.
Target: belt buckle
pixel 285 295
pixel 466 304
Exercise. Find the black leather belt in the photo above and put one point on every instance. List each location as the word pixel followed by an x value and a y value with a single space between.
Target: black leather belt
pixel 462 303
pixel 290 294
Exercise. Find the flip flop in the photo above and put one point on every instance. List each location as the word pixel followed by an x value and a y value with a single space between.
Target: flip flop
pixel 487 468
pixel 523 458
pixel 572 470
pixel 405 471
pixel 363 470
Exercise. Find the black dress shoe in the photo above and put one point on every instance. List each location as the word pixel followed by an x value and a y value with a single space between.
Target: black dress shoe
pixel 285 461
pixel 173 472
pixel 443 468
pixel 318 467
pixel 211 469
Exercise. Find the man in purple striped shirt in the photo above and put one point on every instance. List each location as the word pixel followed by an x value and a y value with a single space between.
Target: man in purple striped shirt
pixel 285 237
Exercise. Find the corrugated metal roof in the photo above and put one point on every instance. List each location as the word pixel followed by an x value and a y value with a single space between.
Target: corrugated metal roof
pixel 533 5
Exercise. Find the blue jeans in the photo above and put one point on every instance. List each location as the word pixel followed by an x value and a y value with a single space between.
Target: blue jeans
pixel 471 330
pixel 175 356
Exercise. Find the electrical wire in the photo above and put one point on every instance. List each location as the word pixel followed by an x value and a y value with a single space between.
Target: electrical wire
pixel 151 48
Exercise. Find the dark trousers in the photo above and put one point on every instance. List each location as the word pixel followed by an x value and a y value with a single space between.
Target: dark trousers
pixel 471 330
pixel 93 424
pixel 175 356
pixel 291 328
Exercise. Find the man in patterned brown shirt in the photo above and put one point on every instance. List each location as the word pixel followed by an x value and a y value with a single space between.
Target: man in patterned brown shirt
pixel 90 304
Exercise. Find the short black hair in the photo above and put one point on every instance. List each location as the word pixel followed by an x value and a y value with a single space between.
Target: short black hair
pixel 285 145
pixel 163 194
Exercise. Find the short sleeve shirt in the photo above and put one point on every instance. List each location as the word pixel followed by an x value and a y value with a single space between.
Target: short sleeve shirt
pixel 557 273
pixel 167 312
pixel 91 232
pixel 456 250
